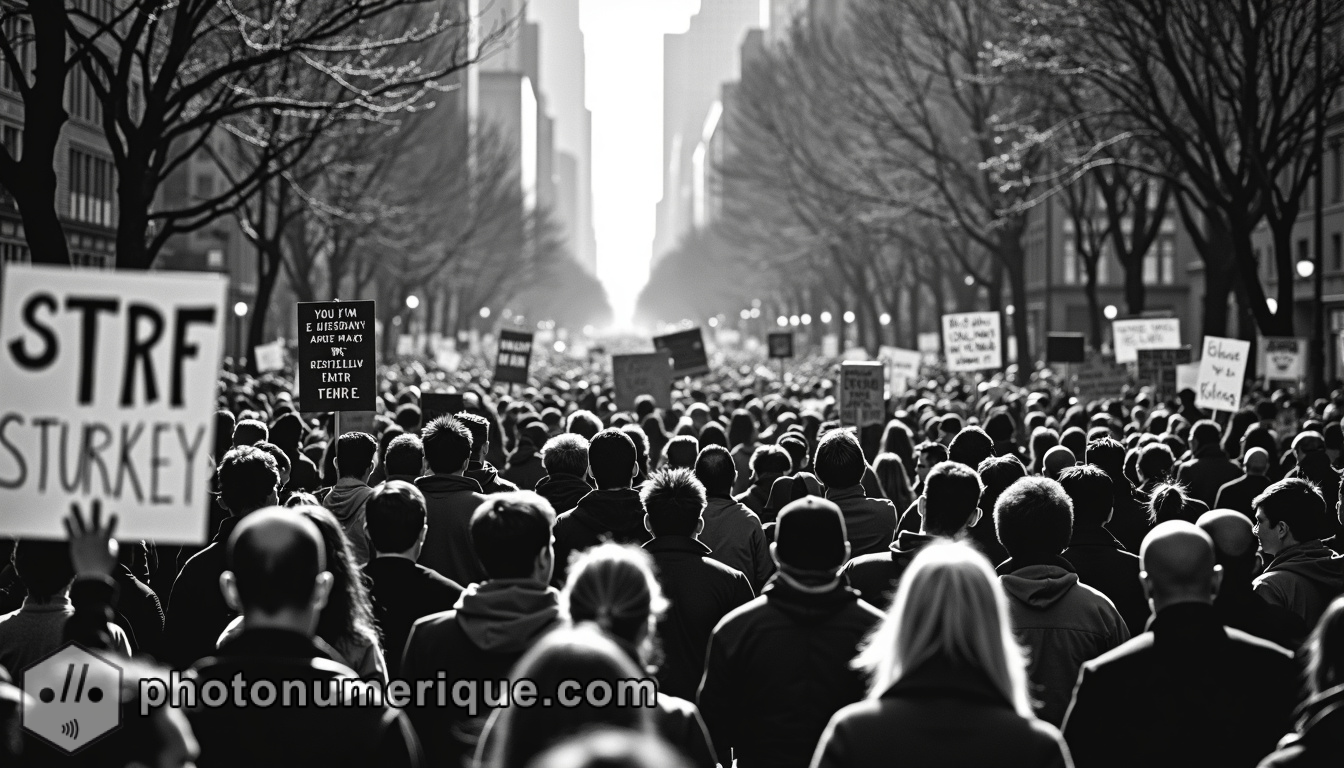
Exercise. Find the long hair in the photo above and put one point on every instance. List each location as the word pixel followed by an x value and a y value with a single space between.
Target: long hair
pixel 613 586
pixel 949 605
pixel 347 620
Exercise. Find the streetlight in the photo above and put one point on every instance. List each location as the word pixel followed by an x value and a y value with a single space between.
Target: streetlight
pixel 1111 312
pixel 1273 305
pixel 412 301
pixel 239 311
pixel 794 320
pixel 485 313
pixel 807 319
pixel 713 322
pixel 849 316
pixel 884 318
pixel 825 317
pixel 1009 310
pixel 755 312
pixel 969 281
pixel 1306 268
pixel 781 321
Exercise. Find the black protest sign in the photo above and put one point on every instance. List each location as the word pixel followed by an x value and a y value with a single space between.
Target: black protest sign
pixel 515 356
pixel 1157 368
pixel 436 404
pixel 687 350
pixel 781 345
pixel 337 356
pixel 108 382
pixel 1065 348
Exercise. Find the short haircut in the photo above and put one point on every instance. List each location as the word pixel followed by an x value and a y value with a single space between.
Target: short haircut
pixel 839 462
pixel 1207 432
pixel 247 477
pixel 768 460
pixel 271 577
pixel 44 567
pixel 394 516
pixel 951 497
pixel 408 417
pixel 715 470
pixel 971 446
pixel 565 454
pixel 1091 491
pixel 405 456
pixel 681 451
pixel 585 424
pixel 674 500
pixel 937 452
pixel 1155 461
pixel 1107 454
pixel 447 443
pixel 354 453
pixel 1033 518
pixel 611 458
pixel 479 429
pixel 796 446
pixel 281 458
pixel 250 432
pixel 1298 503
pixel 508 532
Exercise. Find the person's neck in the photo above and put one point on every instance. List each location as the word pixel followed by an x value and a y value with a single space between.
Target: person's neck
pixel 353 478
pixel 300 622
pixel 809 586
pixel 1162 604
pixel 719 495
pixel 625 487
pixel 60 598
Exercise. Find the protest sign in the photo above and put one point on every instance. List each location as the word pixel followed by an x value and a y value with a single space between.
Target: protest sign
pixel 644 374
pixel 862 388
pixel 109 383
pixel 830 345
pixel 781 345
pixel 902 364
pixel 514 358
pixel 270 357
pixel 1187 377
pixel 928 343
pixel 687 350
pixel 436 404
pixel 1285 359
pixel 405 345
pixel 1145 333
pixel 337 356
pixel 1157 368
pixel 359 421
pixel 972 341
pixel 1065 348
pixel 1101 378
pixel 1221 370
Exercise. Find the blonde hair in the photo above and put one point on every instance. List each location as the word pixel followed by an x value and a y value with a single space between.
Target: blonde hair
pixel 613 586
pixel 949 605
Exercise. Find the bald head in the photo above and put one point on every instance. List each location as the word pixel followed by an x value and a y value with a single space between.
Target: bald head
pixel 276 556
pixel 1057 460
pixel 1256 461
pixel 1307 442
pixel 1231 534
pixel 1179 565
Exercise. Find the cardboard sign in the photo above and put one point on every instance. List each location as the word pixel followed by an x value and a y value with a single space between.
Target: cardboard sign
pixel 270 357
pixel 337 356
pixel 1065 348
pixel 359 421
pixel 436 404
pixel 1187 377
pixel 1101 378
pixel 830 345
pixel 1285 359
pixel 781 345
pixel 1157 368
pixel 862 388
pixel 1146 333
pixel 646 374
pixel 928 343
pixel 687 350
pixel 1221 371
pixel 109 393
pixel 405 345
pixel 515 357
pixel 902 364
pixel 972 341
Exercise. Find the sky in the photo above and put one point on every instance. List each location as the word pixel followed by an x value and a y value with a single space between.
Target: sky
pixel 624 48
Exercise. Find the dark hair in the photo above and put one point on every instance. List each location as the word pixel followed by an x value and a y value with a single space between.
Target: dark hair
pixel 408 417
pixel 287 432
pixel 641 442
pixel 390 432
pixel 565 454
pixel 394 516
pixel 1298 503
pixel 479 427
pixel 585 424
pixel 1091 491
pixel 936 451
pixel 1169 502
pixel 712 434
pixel 272 578
pixel 1108 455
pixel 839 462
pixel 770 460
pixel 1034 518
pixel 405 456
pixel 346 621
pixel 714 468
pixel 674 500
pixel 44 567
pixel 951 498
pixel 611 458
pixel 509 530
pixel 447 444
pixel 796 445
pixel 1000 427
pixel 247 478
pixel 1207 432
pixel 250 432
pixel 997 473
pixel 1075 439
pixel 971 446
pixel 1155 462
pixel 741 428
pixel 354 453
pixel 282 464
pixel 681 452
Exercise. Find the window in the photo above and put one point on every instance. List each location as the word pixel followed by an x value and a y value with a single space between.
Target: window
pixel 19 31
pixel 1337 252
pixel 83 101
pixel 1167 257
pixel 92 251
pixel 1338 185
pixel 92 182
pixel 98 9
pixel 1070 264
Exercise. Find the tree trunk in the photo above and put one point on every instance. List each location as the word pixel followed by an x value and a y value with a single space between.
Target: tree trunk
pixel 1136 294
pixel 268 273
pixel 132 226
pixel 1093 303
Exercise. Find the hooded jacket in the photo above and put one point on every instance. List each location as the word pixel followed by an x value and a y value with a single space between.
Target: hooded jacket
pixel 525 469
pixel 346 501
pixel 1062 622
pixel 563 490
pixel 1303 578
pixel 870 523
pixel 1102 563
pixel 876 576
pixel 485 474
pixel 735 538
pixel 450 501
pixel 490 628
pixel 1318 739
pixel 778 668
pixel 615 514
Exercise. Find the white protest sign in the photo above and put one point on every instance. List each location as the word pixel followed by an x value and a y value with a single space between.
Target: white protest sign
pixel 270 357
pixel 862 391
pixel 1285 359
pixel 109 393
pixel 830 345
pixel 928 343
pixel 1187 377
pixel 972 341
pixel 1221 371
pixel 645 374
pixel 1146 333
pixel 902 364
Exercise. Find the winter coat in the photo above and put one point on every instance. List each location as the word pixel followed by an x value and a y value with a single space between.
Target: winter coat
pixel 1101 562
pixel 402 592
pixel 1303 578
pixel 488 477
pixel 734 537
pixel 876 576
pixel 563 490
pixel 525 469
pixel 197 613
pixel 1238 494
pixel 615 514
pixel 346 501
pixel 870 523
pixel 450 501
pixel 1318 739
pixel 1209 470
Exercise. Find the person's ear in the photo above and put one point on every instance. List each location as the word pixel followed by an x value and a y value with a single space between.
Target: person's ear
pixel 1147 585
pixel 228 585
pixel 648 525
pixel 700 527
pixel 975 518
pixel 922 504
pixel 424 531
pixel 773 546
pixel 321 590
pixel 1217 581
pixel 634 469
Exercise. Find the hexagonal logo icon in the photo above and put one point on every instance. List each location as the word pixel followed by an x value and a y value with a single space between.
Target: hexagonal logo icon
pixel 74 698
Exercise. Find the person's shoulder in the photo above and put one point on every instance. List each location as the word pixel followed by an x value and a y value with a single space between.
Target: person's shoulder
pixel 743 616
pixel 427 628
pixel 1254 646
pixel 1119 658
pixel 869 562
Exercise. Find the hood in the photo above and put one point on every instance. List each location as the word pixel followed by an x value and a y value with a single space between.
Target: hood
pixel 347 498
pixel 525 453
pixel 909 542
pixel 1313 561
pixel 563 484
pixel 1039 586
pixel 507 615
pixel 618 511
pixel 482 472
pixel 440 485
pixel 806 607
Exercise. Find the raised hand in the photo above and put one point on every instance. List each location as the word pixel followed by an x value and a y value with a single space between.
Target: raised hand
pixel 93 550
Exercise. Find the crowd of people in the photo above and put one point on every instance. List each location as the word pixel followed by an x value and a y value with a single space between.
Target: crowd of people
pixel 998 575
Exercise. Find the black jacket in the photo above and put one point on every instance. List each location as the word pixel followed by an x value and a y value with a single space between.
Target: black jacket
pixel 1129 514
pixel 1318 739
pixel 402 592
pixel 372 734
pixel 876 576
pixel 939 716
pixel 450 501
pixel 1239 607
pixel 613 514
pixel 197 613
pixel 488 478
pixel 564 491
pixel 139 613
pixel 1189 692
pixel 778 668
pixel 1207 472
pixel 1238 494
pixel 1103 564
pixel 700 591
